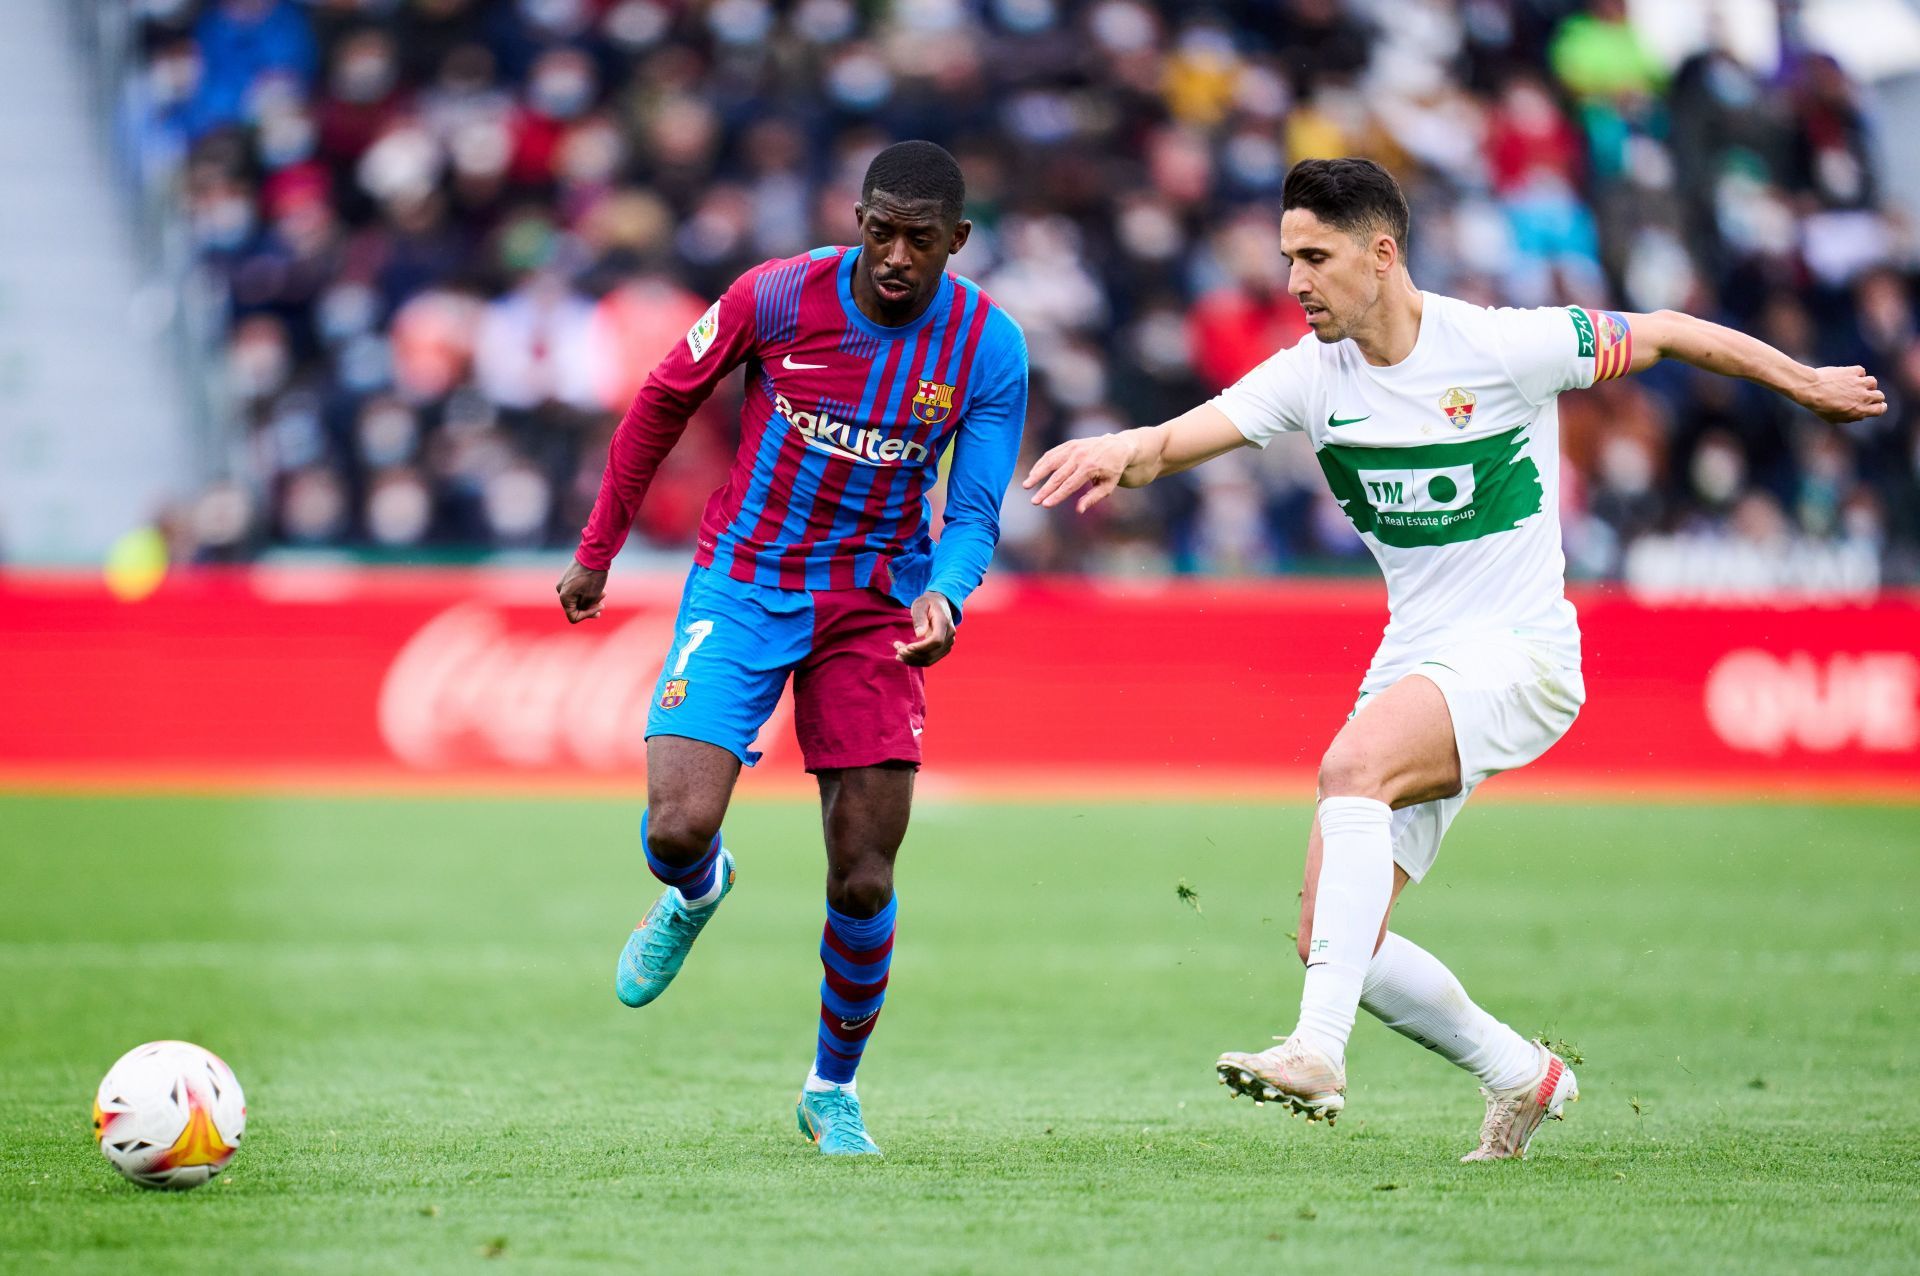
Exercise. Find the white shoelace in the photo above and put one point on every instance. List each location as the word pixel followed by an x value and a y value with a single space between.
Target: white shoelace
pixel 1501 1111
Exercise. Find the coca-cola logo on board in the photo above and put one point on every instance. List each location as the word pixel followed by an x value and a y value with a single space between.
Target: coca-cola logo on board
pixel 471 688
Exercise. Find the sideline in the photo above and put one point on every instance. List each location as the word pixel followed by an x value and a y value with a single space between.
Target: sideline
pixel 1143 785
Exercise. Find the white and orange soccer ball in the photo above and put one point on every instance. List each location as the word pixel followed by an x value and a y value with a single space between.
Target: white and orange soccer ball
pixel 169 1115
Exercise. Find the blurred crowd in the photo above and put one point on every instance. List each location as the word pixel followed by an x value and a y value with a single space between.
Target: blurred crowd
pixel 454 236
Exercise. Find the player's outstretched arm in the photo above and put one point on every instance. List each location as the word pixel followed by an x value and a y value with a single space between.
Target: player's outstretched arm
pixel 1834 394
pixel 1131 458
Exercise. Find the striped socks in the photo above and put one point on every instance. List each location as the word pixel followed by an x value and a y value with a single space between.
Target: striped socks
pixel 698 882
pixel 856 952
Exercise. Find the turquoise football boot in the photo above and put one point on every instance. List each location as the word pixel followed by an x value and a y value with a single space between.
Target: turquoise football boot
pixel 831 1118
pixel 656 950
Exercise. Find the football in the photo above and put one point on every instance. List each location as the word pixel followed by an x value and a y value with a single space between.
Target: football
pixel 169 1115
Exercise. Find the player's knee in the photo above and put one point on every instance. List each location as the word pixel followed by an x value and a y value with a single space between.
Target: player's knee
pixel 679 835
pixel 1346 771
pixel 861 889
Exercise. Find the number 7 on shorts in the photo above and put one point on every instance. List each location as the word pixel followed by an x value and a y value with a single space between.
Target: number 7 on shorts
pixel 696 633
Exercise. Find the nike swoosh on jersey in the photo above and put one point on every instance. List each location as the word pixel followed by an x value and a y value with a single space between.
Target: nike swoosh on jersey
pixel 1334 420
pixel 791 366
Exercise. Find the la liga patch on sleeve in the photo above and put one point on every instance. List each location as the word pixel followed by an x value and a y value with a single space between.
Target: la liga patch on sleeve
pixel 700 336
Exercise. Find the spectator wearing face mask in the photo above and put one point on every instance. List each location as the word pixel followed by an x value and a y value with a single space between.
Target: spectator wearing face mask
pixel 497 212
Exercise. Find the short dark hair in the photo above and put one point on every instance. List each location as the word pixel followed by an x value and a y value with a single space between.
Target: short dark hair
pixel 1354 195
pixel 918 170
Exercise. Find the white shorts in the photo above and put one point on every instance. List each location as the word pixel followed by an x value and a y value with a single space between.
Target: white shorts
pixel 1510 700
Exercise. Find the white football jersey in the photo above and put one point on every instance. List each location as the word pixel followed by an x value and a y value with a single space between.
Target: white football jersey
pixel 1448 463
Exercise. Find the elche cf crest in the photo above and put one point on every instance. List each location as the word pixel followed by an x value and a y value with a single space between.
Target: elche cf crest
pixel 932 402
pixel 1458 405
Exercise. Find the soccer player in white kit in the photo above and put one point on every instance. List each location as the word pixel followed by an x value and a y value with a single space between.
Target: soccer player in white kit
pixel 1436 424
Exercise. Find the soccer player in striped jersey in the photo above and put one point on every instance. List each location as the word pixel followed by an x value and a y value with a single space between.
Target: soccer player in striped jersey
pixel 1435 422
pixel 864 366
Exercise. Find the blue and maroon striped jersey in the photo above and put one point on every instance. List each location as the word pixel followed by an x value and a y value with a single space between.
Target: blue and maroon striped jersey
pixel 841 435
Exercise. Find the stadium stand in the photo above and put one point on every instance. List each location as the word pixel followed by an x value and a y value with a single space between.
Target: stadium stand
pixel 455 233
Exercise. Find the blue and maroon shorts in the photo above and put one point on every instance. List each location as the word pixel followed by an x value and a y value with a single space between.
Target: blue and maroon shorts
pixel 735 643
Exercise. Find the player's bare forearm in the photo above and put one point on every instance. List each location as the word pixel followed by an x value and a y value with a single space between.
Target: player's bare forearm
pixel 1131 458
pixel 1835 394
pixel 1193 438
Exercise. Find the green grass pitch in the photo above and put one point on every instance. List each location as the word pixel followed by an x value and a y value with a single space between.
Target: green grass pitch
pixel 417 997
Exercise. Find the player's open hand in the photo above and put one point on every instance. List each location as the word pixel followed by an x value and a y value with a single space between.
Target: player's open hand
pixel 1840 395
pixel 1096 464
pixel 582 591
pixel 933 631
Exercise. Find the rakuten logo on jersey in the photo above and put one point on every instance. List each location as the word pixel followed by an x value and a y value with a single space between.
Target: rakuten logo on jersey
pixel 467 690
pixel 864 444
pixel 1762 703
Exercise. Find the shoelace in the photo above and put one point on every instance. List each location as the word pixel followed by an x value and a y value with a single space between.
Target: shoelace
pixel 835 1104
pixel 1500 1114
pixel 1293 1056
pixel 671 931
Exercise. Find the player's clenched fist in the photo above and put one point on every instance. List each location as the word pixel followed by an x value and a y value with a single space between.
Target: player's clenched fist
pixel 581 591
pixel 1840 395
pixel 933 631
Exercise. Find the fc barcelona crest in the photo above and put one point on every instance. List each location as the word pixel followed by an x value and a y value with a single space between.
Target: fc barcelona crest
pixel 673 693
pixel 1458 405
pixel 932 402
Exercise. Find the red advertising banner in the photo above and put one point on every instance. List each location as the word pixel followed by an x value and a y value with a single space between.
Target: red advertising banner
pixel 264 676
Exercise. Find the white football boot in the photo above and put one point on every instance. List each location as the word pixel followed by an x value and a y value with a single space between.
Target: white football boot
pixel 1293 1073
pixel 1513 1115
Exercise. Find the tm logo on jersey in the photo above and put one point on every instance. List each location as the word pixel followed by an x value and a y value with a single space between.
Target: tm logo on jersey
pixel 1442 489
pixel 865 444
pixel 1438 493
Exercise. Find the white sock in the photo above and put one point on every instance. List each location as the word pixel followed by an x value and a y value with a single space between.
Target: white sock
pixel 1350 902
pixel 1409 990
pixel 816 1083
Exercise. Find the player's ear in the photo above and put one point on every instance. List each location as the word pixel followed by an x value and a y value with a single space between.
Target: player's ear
pixel 860 219
pixel 961 229
pixel 1385 252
